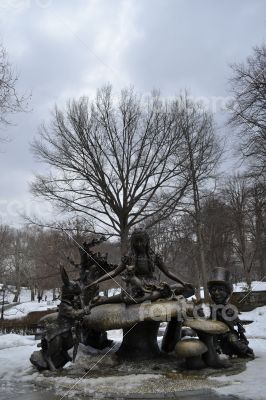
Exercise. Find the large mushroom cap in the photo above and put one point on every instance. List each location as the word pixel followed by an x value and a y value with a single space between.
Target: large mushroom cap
pixel 207 326
pixel 115 316
pixel 190 348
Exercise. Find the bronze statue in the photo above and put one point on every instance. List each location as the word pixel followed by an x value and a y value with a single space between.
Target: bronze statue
pixel 217 338
pixel 140 272
pixel 91 267
pixel 82 312
pixel 64 332
pixel 233 342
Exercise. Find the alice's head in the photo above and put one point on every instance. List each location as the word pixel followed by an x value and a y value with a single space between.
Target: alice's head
pixel 140 241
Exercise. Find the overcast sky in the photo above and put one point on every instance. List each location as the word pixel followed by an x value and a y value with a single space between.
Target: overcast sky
pixel 68 48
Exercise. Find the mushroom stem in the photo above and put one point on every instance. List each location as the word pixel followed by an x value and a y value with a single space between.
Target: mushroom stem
pixel 195 362
pixel 211 358
pixel 140 341
pixel 171 335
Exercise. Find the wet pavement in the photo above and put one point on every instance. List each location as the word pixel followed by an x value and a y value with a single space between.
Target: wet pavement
pixel 30 396
pixel 202 395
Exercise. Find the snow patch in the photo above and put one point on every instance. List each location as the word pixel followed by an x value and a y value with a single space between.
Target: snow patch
pixel 255 285
pixel 15 351
pixel 11 340
pixel 257 329
pixel 250 384
pixel 21 310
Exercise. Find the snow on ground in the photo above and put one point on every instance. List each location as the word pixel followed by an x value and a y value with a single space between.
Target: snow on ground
pixel 12 340
pixel 15 367
pixel 21 310
pixel 250 384
pixel 25 294
pixel 258 328
pixel 15 351
pixel 26 305
pixel 255 285
pixel 121 385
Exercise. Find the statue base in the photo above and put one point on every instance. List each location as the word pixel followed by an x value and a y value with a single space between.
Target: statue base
pixel 140 341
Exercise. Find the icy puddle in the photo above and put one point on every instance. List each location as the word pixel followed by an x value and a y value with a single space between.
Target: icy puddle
pixel 25 393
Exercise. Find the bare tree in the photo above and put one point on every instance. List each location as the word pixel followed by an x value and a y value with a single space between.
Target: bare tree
pixel 203 154
pixel 111 159
pixel 248 108
pixel 257 223
pixel 237 196
pixel 217 231
pixel 10 101
pixel 5 250
pixel 173 239
pixel 18 258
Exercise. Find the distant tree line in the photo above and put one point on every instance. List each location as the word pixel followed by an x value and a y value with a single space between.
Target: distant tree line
pixel 31 256
pixel 233 229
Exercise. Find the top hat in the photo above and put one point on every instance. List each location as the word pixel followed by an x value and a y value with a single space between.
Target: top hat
pixel 220 276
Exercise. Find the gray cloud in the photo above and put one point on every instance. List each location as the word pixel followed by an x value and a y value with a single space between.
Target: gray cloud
pixel 65 49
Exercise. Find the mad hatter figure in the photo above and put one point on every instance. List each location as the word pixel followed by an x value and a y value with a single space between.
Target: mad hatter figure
pixel 234 342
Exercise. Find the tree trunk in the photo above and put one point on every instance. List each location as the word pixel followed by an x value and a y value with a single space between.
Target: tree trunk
pixel 201 250
pixel 16 297
pixel 3 304
pixel 248 276
pixel 18 290
pixel 202 262
pixel 32 294
pixel 18 281
pixel 124 241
